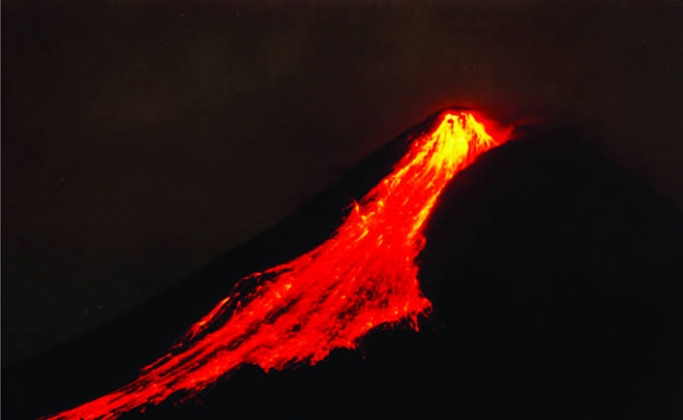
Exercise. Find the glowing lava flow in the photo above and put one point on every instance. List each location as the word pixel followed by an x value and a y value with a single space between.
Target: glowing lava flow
pixel 363 276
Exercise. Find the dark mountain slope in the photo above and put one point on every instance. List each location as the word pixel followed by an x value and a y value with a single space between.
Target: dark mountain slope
pixel 556 283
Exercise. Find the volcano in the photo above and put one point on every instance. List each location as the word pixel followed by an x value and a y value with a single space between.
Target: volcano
pixel 550 286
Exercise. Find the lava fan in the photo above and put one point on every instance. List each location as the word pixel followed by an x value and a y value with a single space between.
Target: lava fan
pixel 362 277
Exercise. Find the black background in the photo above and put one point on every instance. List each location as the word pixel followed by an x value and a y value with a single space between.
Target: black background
pixel 142 138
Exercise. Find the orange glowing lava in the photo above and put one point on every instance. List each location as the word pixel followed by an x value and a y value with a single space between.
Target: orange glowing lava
pixel 362 277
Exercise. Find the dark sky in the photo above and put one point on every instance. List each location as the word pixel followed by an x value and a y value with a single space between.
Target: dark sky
pixel 140 139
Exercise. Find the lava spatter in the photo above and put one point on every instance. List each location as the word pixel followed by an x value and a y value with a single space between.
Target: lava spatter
pixel 363 276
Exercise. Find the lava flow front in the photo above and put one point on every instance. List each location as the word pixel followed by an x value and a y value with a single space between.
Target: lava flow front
pixel 362 277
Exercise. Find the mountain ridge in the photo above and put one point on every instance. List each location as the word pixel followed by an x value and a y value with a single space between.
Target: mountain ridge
pixel 545 187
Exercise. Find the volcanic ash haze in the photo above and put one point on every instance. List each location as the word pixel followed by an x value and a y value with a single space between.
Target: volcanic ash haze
pixel 363 277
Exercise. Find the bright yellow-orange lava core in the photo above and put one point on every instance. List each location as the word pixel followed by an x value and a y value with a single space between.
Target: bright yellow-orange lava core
pixel 363 276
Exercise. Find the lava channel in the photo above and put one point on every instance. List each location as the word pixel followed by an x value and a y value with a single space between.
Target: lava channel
pixel 362 277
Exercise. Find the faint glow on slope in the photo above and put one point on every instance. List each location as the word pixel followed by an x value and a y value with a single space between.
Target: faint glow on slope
pixel 363 276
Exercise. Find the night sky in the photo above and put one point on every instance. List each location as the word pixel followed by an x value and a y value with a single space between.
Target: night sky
pixel 141 139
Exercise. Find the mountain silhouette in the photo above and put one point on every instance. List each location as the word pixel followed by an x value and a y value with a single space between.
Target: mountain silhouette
pixel 555 278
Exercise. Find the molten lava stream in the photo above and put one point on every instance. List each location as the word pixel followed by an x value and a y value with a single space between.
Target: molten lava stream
pixel 363 276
